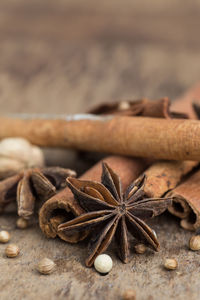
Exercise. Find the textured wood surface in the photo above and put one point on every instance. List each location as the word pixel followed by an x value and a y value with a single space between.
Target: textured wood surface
pixel 63 57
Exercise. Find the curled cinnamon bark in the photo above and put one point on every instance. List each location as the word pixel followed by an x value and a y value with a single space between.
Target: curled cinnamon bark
pixel 158 138
pixel 63 207
pixel 164 176
pixel 186 203
pixel 184 103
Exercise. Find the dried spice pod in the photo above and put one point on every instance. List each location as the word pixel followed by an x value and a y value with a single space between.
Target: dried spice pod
pixel 147 108
pixel 186 203
pixel 111 212
pixel 8 189
pixel 32 184
pixel 63 207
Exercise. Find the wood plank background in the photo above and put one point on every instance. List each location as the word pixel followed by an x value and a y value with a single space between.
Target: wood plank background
pixel 65 56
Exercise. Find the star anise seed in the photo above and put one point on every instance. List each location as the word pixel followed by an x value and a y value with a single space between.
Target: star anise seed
pixel 32 184
pixel 113 213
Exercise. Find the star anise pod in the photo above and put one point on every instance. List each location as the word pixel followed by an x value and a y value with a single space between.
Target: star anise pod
pixel 146 108
pixel 113 213
pixel 30 185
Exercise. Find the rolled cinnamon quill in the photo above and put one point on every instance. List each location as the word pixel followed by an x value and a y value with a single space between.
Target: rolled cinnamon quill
pixel 175 139
pixel 184 103
pixel 186 203
pixel 63 206
pixel 164 176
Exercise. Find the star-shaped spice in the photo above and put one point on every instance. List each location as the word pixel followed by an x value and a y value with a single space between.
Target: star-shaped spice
pixel 30 185
pixel 113 213
pixel 146 108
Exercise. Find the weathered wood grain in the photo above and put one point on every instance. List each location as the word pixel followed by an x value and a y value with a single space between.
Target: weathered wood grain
pixel 63 57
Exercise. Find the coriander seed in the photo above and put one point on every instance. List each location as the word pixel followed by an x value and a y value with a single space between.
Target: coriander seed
pixel 12 250
pixel 170 264
pixel 4 236
pixel 103 263
pixel 22 223
pixel 140 248
pixel 195 243
pixel 129 295
pixel 46 266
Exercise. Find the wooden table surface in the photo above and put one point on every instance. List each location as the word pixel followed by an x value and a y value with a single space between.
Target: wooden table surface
pixel 64 57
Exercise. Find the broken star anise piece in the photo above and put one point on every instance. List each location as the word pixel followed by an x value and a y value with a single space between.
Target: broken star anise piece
pixel 32 184
pixel 113 213
pixel 145 108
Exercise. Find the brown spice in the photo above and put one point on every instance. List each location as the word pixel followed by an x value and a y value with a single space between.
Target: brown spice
pixel 195 242
pixel 170 264
pixel 32 184
pixel 140 248
pixel 129 295
pixel 113 213
pixel 22 223
pixel 46 266
pixel 63 207
pixel 184 103
pixel 186 204
pixel 141 137
pixel 12 250
pixel 144 107
pixel 164 176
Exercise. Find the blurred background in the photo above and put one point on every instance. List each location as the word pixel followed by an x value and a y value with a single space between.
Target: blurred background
pixel 65 56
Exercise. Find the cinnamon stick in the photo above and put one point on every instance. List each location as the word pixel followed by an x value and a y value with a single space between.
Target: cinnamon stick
pixel 164 176
pixel 184 103
pixel 175 139
pixel 186 203
pixel 63 207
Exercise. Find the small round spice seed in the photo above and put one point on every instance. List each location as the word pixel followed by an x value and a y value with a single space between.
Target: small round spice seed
pixel 12 250
pixel 4 236
pixel 46 266
pixel 129 295
pixel 170 264
pixel 140 248
pixel 195 243
pixel 103 263
pixel 22 223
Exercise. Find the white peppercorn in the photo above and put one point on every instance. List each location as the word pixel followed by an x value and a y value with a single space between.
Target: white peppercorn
pixel 103 263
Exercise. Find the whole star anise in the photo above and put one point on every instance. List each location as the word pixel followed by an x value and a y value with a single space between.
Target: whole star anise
pixel 113 213
pixel 30 185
